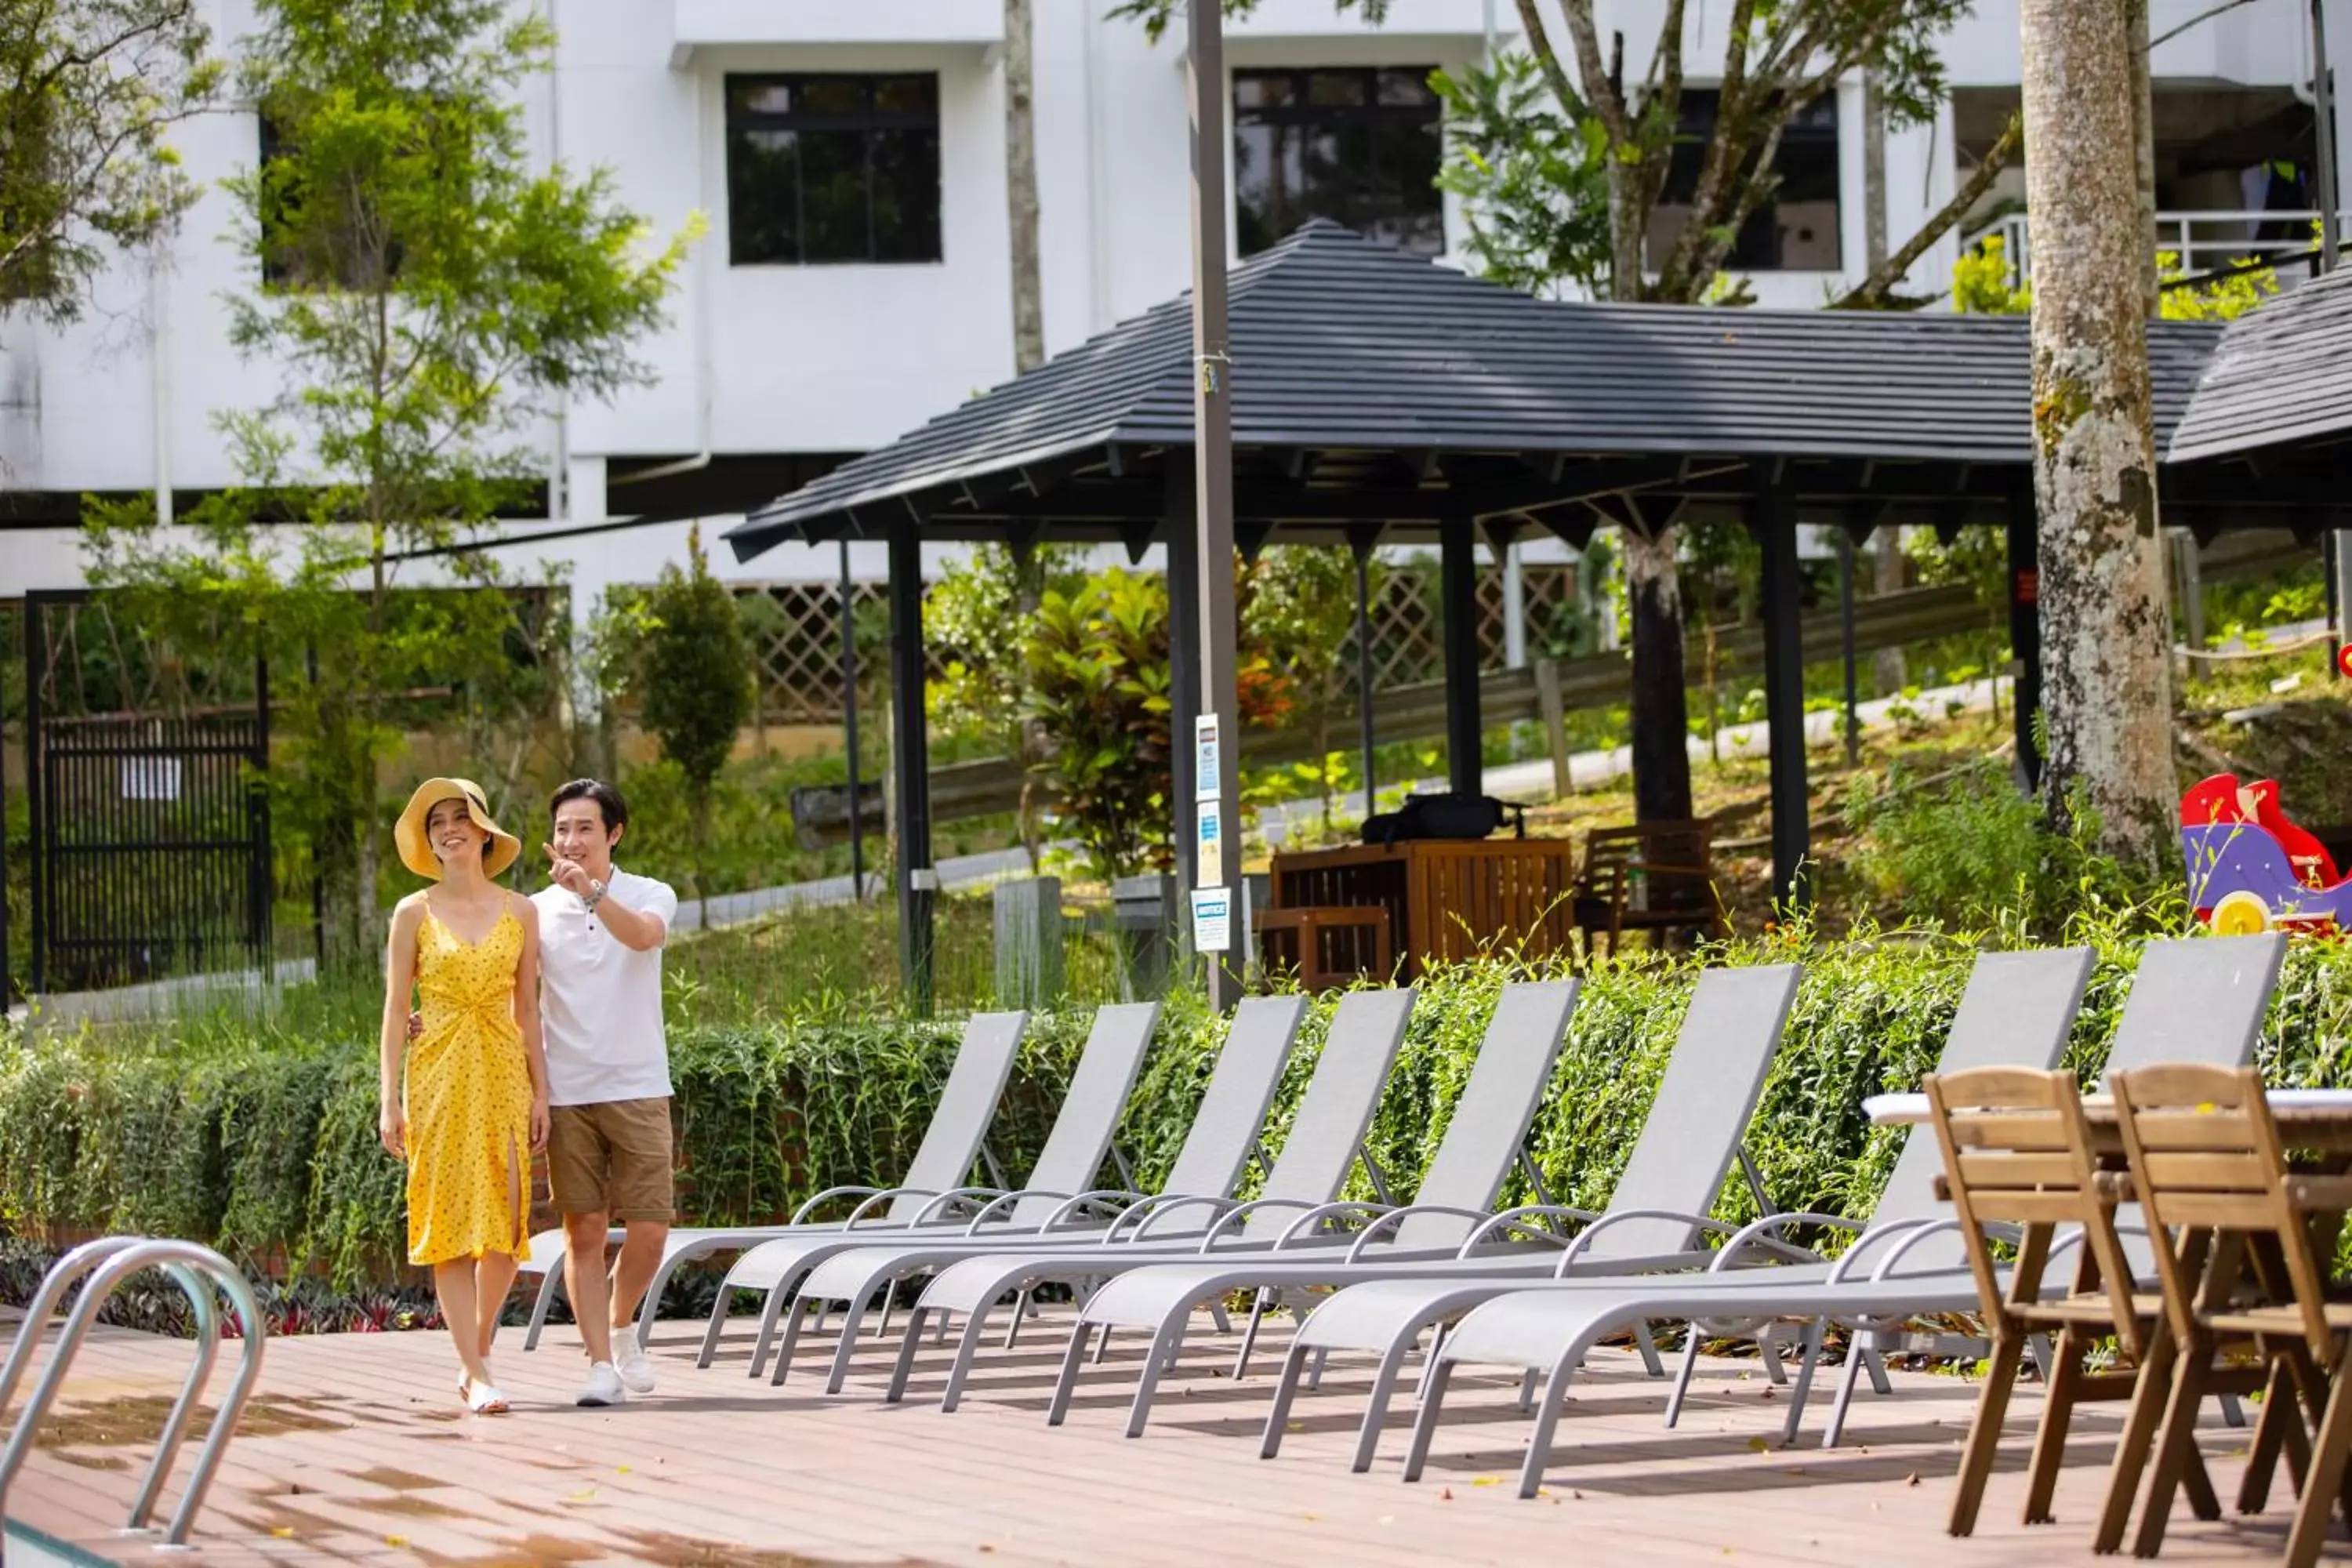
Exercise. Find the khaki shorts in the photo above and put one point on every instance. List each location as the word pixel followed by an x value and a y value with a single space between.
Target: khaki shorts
pixel 611 1158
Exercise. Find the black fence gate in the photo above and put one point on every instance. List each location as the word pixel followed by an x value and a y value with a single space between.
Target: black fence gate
pixel 149 832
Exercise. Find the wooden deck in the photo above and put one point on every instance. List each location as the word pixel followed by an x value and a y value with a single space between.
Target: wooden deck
pixel 357 1452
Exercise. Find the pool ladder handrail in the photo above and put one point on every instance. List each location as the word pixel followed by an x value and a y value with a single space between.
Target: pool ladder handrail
pixel 108 1262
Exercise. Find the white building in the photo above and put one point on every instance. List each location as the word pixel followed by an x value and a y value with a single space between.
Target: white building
pixel 814 321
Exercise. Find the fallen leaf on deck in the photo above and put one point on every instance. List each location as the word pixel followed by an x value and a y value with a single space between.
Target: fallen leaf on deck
pixel 1757 1444
pixel 395 1540
pixel 1445 1495
pixel 1912 1480
pixel 283 1532
pixel 1484 1481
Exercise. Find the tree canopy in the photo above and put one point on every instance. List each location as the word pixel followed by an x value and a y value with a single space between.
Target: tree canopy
pixel 427 293
pixel 90 90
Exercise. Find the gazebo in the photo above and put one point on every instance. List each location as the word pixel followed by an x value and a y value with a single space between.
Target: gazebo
pixel 1379 397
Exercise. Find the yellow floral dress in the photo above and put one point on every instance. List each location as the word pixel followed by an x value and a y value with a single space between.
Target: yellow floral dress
pixel 468 1097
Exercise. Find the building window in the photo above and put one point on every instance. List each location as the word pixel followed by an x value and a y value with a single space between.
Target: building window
pixel 833 168
pixel 1358 147
pixel 1797 230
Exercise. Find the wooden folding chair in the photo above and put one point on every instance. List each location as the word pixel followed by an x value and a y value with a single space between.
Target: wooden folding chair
pixel 2018 1164
pixel 2243 1244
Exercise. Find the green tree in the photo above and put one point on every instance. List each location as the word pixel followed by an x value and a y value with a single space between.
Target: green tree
pixel 90 90
pixel 973 617
pixel 1299 615
pixel 1097 672
pixel 697 681
pixel 425 292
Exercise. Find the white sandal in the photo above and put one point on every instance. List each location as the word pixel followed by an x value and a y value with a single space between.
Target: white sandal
pixel 482 1398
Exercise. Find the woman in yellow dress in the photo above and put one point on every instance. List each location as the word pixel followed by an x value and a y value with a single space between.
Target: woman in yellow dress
pixel 472 1104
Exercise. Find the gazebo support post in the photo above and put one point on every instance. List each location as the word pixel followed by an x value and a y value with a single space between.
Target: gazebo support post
pixel 1184 670
pixel 1846 646
pixel 1361 544
pixel 910 764
pixel 1457 596
pixel 1774 520
pixel 2025 630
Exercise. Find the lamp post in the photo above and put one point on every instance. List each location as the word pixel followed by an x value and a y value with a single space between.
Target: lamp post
pixel 1217 737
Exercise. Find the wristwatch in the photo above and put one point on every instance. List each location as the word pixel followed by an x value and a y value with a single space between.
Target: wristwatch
pixel 595 895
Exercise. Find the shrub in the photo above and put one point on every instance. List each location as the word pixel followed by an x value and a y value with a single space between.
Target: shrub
pixel 267 1147
pixel 1967 849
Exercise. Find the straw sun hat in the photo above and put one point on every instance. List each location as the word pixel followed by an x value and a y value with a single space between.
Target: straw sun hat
pixel 416 851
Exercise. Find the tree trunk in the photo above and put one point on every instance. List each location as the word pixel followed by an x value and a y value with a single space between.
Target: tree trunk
pixel 2143 106
pixel 1660 712
pixel 1021 187
pixel 1874 174
pixel 1661 777
pixel 2107 692
pixel 1887 666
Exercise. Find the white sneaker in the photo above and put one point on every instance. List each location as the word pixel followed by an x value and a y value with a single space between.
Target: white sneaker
pixel 602 1387
pixel 629 1358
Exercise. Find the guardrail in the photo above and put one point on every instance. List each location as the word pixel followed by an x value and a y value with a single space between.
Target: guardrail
pixel 2200 241
pixel 108 1263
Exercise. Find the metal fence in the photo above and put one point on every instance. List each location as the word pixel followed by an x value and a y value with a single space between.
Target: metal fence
pixel 148 835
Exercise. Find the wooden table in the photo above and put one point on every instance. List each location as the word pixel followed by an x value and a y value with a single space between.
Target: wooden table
pixel 2308 1118
pixel 1445 897
pixel 2315 1120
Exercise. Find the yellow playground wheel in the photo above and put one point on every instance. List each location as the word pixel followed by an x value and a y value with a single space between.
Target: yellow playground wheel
pixel 2240 914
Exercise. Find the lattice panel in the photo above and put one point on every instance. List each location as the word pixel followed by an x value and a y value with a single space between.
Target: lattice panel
pixel 798 636
pixel 797 646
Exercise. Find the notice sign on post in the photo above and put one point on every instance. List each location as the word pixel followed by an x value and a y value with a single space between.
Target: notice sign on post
pixel 1208 758
pixel 1209 839
pixel 1213 920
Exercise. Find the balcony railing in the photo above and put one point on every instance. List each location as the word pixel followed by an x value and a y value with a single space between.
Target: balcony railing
pixel 2196 242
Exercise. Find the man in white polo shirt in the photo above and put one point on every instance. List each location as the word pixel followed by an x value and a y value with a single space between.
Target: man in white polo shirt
pixel 608 1149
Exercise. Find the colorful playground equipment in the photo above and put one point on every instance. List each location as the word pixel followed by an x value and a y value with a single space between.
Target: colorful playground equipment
pixel 2251 869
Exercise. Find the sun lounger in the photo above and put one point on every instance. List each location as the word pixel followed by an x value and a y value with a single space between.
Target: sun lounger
pixel 1688 1144
pixel 1224 1132
pixel 951 1147
pixel 2197 999
pixel 1324 1144
pixel 2018 1006
pixel 1075 1150
pixel 1483 1138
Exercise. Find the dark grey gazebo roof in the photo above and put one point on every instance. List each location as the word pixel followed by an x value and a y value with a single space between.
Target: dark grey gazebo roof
pixel 1371 386
pixel 2281 375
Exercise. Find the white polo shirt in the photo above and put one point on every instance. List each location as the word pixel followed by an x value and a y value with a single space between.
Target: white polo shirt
pixel 600 1003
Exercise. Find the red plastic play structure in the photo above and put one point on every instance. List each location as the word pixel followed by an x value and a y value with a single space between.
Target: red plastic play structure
pixel 2251 868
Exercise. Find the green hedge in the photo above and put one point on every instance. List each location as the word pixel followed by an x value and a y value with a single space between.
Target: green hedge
pixel 267 1147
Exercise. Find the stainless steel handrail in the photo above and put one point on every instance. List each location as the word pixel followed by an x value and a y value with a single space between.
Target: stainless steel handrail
pixel 197 1271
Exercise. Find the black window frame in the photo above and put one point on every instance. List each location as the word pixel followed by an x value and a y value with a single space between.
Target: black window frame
pixel 1364 205
pixel 1809 143
pixel 920 243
